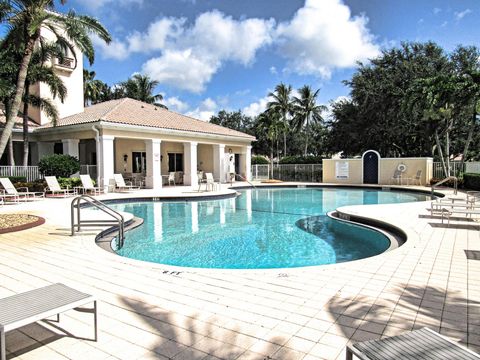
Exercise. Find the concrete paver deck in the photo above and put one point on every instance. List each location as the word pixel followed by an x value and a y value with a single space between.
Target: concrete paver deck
pixel 151 311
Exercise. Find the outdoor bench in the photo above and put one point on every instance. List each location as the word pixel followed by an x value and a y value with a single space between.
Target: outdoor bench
pixel 422 344
pixel 34 305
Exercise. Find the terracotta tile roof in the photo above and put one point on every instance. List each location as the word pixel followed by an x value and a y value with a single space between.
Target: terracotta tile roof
pixel 18 121
pixel 134 112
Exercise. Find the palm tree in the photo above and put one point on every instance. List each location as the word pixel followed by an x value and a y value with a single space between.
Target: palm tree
pixel 25 20
pixel 306 111
pixel 270 123
pixel 141 87
pixel 282 104
pixel 39 71
pixel 92 87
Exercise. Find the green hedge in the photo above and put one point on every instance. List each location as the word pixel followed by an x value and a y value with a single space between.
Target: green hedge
pixel 70 182
pixel 58 165
pixel 259 160
pixel 471 181
pixel 300 159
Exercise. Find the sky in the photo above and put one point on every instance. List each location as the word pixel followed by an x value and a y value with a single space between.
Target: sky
pixel 210 55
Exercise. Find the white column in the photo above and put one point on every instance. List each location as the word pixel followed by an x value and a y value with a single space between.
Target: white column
pixel 154 168
pixel 248 163
pixel 105 159
pixel 45 148
pixel 190 163
pixel 218 162
pixel 70 147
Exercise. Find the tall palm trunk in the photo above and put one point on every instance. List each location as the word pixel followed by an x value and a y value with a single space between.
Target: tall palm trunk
pixel 25 125
pixel 285 134
pixel 469 140
pixel 11 155
pixel 22 75
pixel 440 152
pixel 306 144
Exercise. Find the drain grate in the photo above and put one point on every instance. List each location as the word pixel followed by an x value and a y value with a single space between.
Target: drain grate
pixel 472 254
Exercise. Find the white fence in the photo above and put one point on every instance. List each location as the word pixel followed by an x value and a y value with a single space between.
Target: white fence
pixel 470 167
pixel 289 172
pixel 31 173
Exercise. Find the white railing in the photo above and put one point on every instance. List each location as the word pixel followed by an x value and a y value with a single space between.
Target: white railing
pixel 470 167
pixel 289 172
pixel 31 173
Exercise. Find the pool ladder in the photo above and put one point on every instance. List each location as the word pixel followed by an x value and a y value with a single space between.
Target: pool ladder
pixel 77 223
pixel 455 185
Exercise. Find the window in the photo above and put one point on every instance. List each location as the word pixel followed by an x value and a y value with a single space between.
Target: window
pixel 175 162
pixel 138 162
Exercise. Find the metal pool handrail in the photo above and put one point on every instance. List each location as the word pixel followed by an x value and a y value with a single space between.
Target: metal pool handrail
pixel 455 184
pixel 117 217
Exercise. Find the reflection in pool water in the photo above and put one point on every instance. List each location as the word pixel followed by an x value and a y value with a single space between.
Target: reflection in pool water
pixel 262 228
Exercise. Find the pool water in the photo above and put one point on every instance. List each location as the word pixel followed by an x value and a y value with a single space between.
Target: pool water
pixel 260 229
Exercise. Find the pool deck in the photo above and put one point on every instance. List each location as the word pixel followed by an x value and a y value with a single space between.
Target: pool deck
pixel 150 311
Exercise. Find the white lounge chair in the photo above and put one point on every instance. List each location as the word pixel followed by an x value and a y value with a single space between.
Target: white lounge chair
pixel 22 195
pixel 88 186
pixel 121 185
pixel 35 305
pixel 421 344
pixel 55 188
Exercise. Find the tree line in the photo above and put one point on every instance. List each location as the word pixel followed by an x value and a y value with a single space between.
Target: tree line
pixel 412 100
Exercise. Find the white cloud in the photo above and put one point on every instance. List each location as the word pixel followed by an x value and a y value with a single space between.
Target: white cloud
pixel 436 10
pixel 175 104
pixel 204 111
pixel 181 69
pixel 115 50
pixel 459 15
pixel 273 70
pixel 256 107
pixel 323 36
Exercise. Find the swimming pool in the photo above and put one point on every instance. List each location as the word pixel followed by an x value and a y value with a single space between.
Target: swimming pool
pixel 260 229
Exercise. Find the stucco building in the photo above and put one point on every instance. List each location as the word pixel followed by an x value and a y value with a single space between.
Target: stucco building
pixel 131 137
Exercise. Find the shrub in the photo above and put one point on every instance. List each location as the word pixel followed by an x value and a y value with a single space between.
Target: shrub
pixel 59 165
pixel 259 160
pixel 70 182
pixel 36 186
pixel 300 159
pixel 471 181
pixel 15 179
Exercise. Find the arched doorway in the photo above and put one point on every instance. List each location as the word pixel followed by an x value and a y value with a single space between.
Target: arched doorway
pixel 370 161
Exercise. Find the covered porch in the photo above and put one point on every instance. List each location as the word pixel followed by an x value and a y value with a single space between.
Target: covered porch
pixel 148 161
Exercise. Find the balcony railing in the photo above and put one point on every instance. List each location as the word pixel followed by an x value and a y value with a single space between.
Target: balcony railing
pixel 65 63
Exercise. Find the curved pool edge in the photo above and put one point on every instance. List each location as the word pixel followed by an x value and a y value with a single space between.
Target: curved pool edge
pixel 409 234
pixel 395 235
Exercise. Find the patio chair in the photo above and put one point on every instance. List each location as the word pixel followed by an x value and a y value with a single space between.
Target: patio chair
pixel 418 344
pixel 120 184
pixel 88 186
pixel 417 180
pixel 171 178
pixel 55 188
pixel 22 195
pixel 397 176
pixel 210 181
